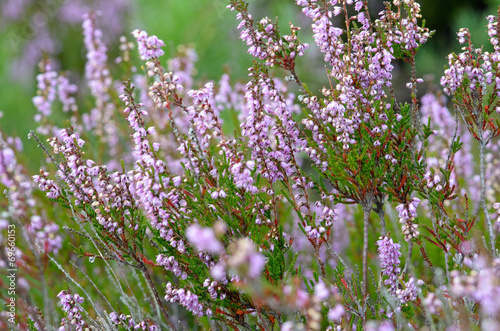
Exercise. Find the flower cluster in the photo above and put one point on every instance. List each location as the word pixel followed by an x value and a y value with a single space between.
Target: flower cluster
pixel 96 68
pixel 410 291
pixel 71 305
pixel 360 63
pixel 213 287
pixel 20 193
pixel 471 69
pixel 433 108
pixel 149 46
pixel 326 36
pixel 100 83
pixel 203 239
pixel 433 181
pixel 473 80
pixel 128 321
pixel 47 234
pixel 263 97
pixel 407 214
pixel 245 260
pixel 171 265
pixel 47 185
pixel 407 32
pixel 265 42
pixel 51 87
pixel 47 87
pixel 496 205
pixel 187 299
pixel 389 254
pixel 433 304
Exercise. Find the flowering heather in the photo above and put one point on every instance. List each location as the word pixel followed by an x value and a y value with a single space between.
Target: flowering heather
pixel 203 238
pixel 169 202
pixel 128 321
pixel 389 255
pixel 407 214
pixel 71 306
pixel 149 46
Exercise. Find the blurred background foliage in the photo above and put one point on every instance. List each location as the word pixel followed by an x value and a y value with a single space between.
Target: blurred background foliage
pixel 31 27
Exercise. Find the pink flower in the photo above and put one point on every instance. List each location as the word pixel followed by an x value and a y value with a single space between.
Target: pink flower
pixel 203 239
pixel 245 258
pixel 336 313
pixel 149 46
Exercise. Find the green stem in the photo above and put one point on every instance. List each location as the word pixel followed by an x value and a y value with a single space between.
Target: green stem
pixel 482 146
pixel 366 217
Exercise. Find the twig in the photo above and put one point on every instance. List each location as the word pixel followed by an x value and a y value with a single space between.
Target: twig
pixel 157 296
pixel 482 146
pixel 408 257
pixel 366 217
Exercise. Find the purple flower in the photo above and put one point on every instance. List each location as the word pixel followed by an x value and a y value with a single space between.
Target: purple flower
pixel 245 259
pixel 187 299
pixel 321 291
pixel 335 314
pixel 71 306
pixel 433 303
pixel 407 213
pixel 242 174
pixel 473 69
pixel 128 322
pixel 100 83
pixel 389 254
pixel 203 239
pixel 171 264
pixel 409 292
pixel 47 185
pixel 96 71
pixel 66 92
pixel 149 46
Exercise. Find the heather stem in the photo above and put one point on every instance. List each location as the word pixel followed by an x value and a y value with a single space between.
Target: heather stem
pixel 157 296
pixel 482 146
pixel 381 214
pixel 366 217
pixel 447 268
pixel 408 257
pixel 415 111
pixel 46 302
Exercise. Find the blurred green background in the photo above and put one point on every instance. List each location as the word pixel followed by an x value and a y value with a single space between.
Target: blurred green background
pixel 210 27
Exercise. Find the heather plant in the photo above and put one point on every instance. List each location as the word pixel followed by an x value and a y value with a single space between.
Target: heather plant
pixel 343 208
